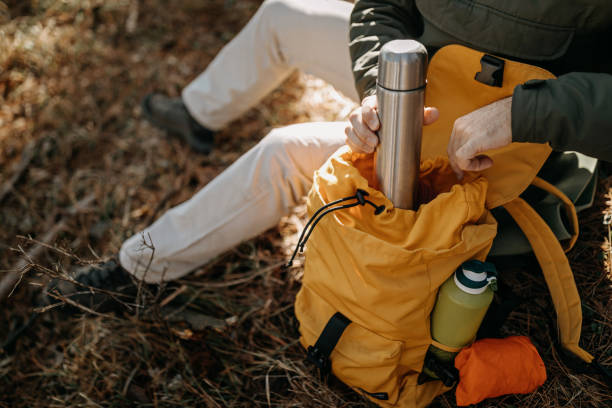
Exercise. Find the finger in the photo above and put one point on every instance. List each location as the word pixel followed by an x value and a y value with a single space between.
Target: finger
pixel 356 144
pixel 479 163
pixel 467 157
pixel 458 172
pixel 430 115
pixel 461 164
pixel 370 101
pixel 363 132
pixel 456 168
pixel 467 151
pixel 369 112
pixel 349 143
pixel 452 159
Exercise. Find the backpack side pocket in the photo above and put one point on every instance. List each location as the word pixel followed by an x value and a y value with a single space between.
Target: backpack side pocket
pixel 362 359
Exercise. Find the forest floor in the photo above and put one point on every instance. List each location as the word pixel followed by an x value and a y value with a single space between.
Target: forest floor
pixel 81 171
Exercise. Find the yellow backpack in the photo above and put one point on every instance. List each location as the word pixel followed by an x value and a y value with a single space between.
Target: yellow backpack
pixel 372 271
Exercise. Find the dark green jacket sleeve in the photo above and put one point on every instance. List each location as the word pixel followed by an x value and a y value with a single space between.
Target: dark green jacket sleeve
pixel 572 112
pixel 374 23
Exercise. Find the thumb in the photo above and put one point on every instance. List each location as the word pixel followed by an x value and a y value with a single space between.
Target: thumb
pixel 430 115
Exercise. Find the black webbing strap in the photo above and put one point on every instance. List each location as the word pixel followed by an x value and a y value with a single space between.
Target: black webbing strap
pixel 579 366
pixel 435 369
pixel 604 371
pixel 504 303
pixel 320 352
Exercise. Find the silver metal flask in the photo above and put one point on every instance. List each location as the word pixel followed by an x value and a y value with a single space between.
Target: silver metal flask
pixel 400 90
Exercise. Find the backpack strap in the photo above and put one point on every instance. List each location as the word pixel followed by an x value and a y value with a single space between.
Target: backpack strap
pixel 557 273
pixel 570 210
pixel 320 352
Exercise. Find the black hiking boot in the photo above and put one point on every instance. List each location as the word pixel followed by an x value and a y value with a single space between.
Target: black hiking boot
pixel 102 288
pixel 171 115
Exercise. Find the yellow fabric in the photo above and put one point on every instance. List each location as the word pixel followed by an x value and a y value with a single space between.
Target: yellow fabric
pixel 452 89
pixel 514 167
pixel 444 347
pixel 557 273
pixel 569 208
pixel 383 271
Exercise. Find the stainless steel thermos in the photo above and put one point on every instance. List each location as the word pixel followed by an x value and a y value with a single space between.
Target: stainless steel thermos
pixel 400 89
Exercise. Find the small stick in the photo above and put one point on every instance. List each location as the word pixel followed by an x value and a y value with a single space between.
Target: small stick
pixel 170 298
pixel 79 306
pixel 10 281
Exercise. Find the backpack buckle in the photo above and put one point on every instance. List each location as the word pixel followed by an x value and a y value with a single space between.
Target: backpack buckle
pixel 492 71
pixel 319 359
pixel 434 369
pixel 320 352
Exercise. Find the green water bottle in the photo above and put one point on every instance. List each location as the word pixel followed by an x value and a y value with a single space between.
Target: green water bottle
pixel 462 303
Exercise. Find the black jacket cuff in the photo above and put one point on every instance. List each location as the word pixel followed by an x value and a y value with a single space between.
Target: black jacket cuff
pixel 524 113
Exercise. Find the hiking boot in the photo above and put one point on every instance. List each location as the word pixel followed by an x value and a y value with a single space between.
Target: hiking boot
pixel 102 288
pixel 171 115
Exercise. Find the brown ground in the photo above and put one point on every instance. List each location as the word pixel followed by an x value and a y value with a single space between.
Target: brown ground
pixel 72 74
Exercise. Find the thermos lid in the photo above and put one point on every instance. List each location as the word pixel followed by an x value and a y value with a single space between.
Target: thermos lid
pixel 402 65
pixel 474 276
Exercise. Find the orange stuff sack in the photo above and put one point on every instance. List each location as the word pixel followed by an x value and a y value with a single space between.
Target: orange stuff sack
pixel 493 367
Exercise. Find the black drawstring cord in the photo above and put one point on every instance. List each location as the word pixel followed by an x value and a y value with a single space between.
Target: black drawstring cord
pixel 314 224
pixel 314 216
pixel 360 201
pixel 323 211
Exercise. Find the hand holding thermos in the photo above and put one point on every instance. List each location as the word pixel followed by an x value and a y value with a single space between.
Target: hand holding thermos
pixel 364 123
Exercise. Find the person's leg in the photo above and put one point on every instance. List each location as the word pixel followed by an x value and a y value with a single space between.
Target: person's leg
pixel 249 197
pixel 284 35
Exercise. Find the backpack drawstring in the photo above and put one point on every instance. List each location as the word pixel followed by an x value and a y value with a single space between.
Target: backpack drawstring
pixel 323 211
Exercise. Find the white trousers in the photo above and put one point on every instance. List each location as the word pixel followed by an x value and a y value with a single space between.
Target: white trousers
pixel 252 194
pixel 284 35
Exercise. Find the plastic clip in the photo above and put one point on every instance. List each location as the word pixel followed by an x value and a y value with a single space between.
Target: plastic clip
pixel 315 356
pixel 492 71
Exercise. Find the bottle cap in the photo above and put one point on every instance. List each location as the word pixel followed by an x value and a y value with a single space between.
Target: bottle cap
pixel 402 65
pixel 474 276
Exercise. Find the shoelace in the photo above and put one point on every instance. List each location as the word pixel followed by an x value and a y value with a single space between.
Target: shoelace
pixel 360 196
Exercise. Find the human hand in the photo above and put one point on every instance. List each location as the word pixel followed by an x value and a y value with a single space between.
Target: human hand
pixel 483 129
pixel 363 122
